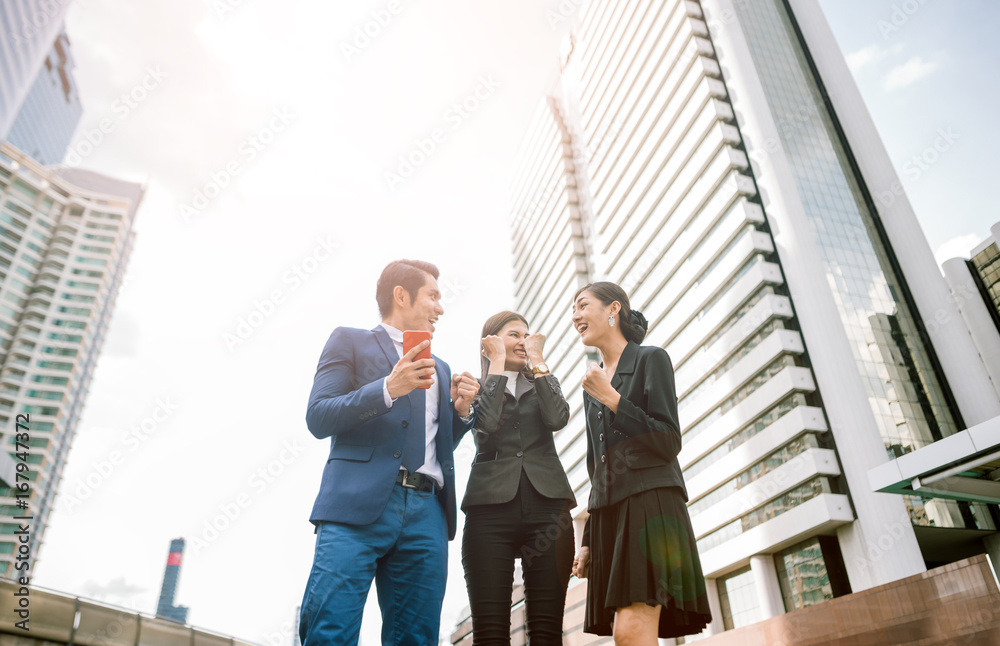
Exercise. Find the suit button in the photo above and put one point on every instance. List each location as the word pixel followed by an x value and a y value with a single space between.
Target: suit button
pixel 405 423
pixel 600 414
pixel 604 458
pixel 601 437
pixel 397 454
pixel 517 425
pixel 520 454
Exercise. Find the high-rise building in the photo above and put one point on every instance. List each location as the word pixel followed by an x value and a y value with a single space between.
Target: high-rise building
pixel 715 158
pixel 171 575
pixel 65 240
pixel 51 111
pixel 28 28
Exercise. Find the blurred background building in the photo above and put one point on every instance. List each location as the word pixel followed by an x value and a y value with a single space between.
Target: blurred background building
pixel 29 29
pixel 51 111
pixel 65 240
pixel 165 607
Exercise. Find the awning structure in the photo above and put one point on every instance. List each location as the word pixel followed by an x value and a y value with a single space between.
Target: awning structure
pixel 963 466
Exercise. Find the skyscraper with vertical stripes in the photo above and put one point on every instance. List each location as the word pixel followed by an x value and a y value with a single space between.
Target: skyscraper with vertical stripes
pixel 28 28
pixel 715 158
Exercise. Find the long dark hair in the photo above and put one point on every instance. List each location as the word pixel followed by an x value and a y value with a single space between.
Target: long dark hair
pixel 633 323
pixel 492 326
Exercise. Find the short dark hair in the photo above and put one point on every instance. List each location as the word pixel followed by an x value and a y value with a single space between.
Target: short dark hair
pixel 633 323
pixel 408 274
pixel 494 325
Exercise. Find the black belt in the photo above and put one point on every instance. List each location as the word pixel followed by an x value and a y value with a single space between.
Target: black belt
pixel 417 481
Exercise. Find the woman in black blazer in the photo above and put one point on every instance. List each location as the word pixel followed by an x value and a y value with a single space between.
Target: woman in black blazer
pixel 518 498
pixel 638 550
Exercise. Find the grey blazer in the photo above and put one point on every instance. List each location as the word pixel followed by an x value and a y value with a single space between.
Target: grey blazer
pixel 514 434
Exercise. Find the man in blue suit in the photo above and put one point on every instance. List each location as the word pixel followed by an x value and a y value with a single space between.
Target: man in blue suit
pixel 386 505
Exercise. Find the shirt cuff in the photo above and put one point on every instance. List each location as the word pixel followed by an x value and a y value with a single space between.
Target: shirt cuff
pixel 468 418
pixel 385 394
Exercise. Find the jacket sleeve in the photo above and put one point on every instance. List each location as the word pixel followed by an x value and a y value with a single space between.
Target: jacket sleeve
pixel 660 415
pixel 460 427
pixel 585 541
pixel 334 405
pixel 489 403
pixel 553 406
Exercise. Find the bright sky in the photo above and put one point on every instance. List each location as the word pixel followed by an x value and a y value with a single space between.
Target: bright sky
pixel 263 98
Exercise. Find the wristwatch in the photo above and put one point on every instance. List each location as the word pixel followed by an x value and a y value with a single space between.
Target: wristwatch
pixel 539 369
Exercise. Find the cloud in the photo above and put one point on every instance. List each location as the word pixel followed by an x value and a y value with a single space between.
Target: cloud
pixel 869 55
pixel 909 72
pixel 957 247
pixel 117 590
pixel 863 57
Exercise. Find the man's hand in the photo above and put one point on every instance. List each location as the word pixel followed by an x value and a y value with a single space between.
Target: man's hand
pixel 408 374
pixel 463 390
pixel 581 563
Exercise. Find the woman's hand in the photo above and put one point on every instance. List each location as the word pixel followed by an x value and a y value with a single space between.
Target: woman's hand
pixel 533 344
pixel 494 349
pixel 598 385
pixel 581 563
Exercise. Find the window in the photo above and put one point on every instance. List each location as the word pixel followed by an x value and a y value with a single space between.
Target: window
pixel 77 311
pixel 802 575
pixel 55 365
pixel 91 261
pixel 72 338
pixel 738 598
pixel 81 285
pixel 45 379
pixel 80 325
pixel 40 410
pixel 46 394
pixel 102 227
pixel 78 298
pixel 62 352
pixel 93 249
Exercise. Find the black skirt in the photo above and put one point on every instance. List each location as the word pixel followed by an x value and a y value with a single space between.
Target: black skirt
pixel 643 549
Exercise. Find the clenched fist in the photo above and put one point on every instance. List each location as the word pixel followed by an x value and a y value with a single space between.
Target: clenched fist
pixel 463 391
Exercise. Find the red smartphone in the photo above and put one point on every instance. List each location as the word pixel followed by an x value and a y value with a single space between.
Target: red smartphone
pixel 413 338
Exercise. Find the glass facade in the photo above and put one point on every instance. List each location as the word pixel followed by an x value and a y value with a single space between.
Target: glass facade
pixel 51 111
pixel 738 599
pixel 986 264
pixel 802 575
pixel 904 392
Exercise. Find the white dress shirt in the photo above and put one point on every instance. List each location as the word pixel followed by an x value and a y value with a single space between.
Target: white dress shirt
pixel 512 381
pixel 431 467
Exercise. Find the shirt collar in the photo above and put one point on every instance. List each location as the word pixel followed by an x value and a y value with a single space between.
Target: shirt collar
pixel 395 335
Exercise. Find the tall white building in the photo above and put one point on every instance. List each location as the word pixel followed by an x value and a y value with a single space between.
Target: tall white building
pixel 65 239
pixel 716 160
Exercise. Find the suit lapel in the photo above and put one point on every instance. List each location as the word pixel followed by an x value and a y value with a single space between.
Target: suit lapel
pixel 626 364
pixel 387 346
pixel 444 435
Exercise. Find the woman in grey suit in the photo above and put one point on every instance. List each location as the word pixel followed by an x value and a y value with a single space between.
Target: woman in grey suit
pixel 518 498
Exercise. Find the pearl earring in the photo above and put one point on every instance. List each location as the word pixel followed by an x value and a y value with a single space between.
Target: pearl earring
pixel 611 320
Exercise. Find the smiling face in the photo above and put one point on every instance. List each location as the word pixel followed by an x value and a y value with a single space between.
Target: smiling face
pixel 423 311
pixel 590 318
pixel 513 335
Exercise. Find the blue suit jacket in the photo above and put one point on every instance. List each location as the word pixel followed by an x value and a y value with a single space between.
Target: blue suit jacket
pixel 366 439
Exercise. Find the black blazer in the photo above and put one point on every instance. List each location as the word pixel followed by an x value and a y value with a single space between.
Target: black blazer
pixel 514 434
pixel 636 449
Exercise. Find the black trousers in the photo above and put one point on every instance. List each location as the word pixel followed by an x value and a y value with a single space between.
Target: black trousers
pixel 539 531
